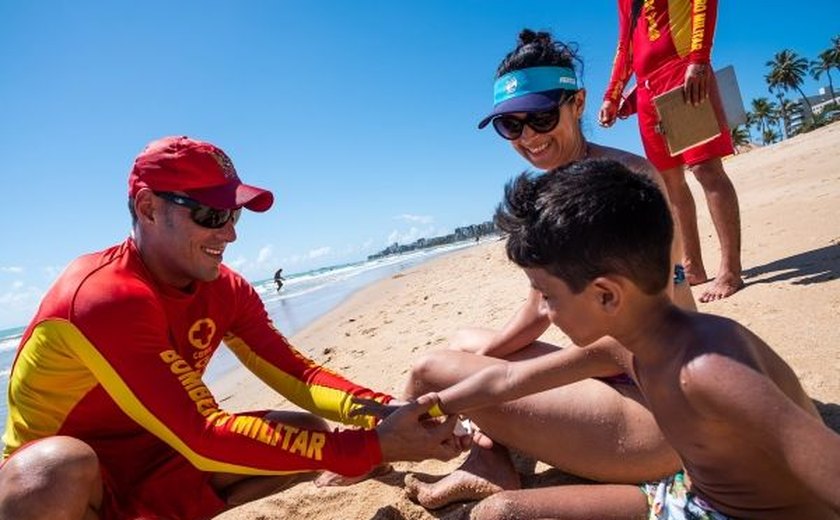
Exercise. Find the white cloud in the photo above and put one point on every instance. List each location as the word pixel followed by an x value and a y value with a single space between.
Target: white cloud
pixel 11 269
pixel 18 304
pixel 355 249
pixel 265 255
pixel 52 271
pixel 419 219
pixel 238 264
pixel 264 263
pixel 321 251
pixel 407 237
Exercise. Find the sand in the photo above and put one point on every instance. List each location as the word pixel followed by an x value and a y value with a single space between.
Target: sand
pixel 790 211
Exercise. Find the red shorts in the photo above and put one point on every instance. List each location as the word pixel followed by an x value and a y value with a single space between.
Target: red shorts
pixel 663 80
pixel 173 490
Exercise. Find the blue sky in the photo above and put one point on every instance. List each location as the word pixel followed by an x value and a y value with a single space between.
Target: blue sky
pixel 360 116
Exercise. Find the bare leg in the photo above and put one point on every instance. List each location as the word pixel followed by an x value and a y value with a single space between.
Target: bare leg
pixel 239 489
pixel 485 472
pixel 582 502
pixel 680 289
pixel 57 478
pixel 328 478
pixel 685 216
pixel 682 296
pixel 723 208
pixel 471 339
pixel 588 429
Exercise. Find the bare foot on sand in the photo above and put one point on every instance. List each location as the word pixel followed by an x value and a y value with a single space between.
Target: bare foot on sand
pixel 722 287
pixel 695 276
pixel 485 472
pixel 330 479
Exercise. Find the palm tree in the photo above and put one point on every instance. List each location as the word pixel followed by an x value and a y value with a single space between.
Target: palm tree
pixel 782 117
pixel 769 136
pixel 824 64
pixel 762 113
pixel 750 123
pixel 740 136
pixel 787 69
pixel 787 107
pixel 834 52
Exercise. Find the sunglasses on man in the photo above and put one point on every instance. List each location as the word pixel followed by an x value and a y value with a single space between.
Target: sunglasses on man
pixel 204 216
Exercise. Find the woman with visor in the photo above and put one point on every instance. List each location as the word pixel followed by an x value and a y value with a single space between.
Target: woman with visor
pixel 596 427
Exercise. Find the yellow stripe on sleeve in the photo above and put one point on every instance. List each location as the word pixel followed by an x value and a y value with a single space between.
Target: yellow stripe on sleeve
pixel 332 403
pixel 136 409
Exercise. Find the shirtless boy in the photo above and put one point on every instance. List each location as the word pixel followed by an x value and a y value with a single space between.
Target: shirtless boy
pixel 594 241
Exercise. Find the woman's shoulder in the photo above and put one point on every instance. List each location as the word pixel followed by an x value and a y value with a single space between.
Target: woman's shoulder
pixel 635 162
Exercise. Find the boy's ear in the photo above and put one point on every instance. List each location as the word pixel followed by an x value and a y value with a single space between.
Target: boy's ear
pixel 608 293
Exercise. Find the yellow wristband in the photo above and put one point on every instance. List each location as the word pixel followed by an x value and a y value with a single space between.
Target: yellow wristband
pixel 435 411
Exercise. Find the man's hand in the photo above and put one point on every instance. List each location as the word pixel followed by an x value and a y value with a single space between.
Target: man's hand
pixel 607 114
pixel 405 436
pixel 375 408
pixel 696 86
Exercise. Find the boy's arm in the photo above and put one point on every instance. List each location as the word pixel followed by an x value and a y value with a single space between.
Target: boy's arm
pixel 744 397
pixel 510 380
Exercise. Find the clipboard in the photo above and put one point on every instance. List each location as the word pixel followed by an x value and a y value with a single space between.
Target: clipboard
pixel 684 125
pixel 730 96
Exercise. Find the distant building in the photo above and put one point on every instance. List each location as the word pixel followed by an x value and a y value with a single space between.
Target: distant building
pixel 473 231
pixel 818 103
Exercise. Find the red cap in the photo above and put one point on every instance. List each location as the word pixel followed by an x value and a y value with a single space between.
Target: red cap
pixel 201 170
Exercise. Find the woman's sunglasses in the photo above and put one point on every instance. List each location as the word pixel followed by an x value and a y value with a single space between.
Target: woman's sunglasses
pixel 204 216
pixel 510 127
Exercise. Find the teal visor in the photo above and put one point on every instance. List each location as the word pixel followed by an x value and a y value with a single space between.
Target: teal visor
pixel 534 89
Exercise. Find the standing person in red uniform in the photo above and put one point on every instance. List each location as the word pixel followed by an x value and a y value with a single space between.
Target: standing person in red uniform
pixel 668 43
pixel 109 417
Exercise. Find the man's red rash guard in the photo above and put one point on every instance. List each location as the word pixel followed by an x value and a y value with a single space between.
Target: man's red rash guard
pixel 116 360
pixel 666 30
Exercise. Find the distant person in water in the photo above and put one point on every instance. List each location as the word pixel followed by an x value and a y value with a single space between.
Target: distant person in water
pixel 278 279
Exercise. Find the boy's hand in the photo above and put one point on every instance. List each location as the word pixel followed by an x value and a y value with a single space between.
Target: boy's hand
pixel 405 435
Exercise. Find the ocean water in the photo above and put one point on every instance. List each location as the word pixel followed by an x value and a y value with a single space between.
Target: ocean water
pixel 304 298
pixel 9 340
pixel 307 296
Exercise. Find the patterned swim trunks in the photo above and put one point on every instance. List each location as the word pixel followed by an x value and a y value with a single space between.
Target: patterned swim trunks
pixel 669 499
pixel 679 274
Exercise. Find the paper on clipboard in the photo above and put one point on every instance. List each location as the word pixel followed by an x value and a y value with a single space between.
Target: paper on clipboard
pixel 684 125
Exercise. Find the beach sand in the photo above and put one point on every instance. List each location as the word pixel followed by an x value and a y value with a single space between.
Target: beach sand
pixel 790 211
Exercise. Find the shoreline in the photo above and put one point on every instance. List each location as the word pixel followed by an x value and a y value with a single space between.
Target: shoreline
pixel 239 389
